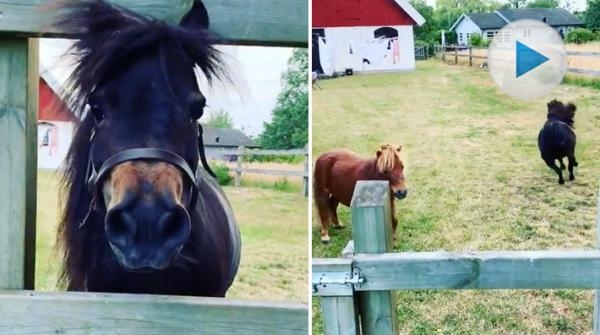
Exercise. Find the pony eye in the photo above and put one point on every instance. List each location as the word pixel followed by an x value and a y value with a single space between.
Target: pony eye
pixel 197 107
pixel 97 112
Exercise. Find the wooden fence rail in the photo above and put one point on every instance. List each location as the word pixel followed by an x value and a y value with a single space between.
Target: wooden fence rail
pixel 242 152
pixel 589 72
pixel 361 282
pixel 30 312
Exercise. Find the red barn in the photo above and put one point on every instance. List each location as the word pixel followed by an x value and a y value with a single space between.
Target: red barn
pixel 55 126
pixel 373 35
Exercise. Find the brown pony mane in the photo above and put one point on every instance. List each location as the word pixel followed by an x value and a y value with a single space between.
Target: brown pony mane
pixel 386 158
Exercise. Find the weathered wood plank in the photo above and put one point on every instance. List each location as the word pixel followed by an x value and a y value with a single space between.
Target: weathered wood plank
pixel 252 152
pixel 249 22
pixel 286 173
pixel 241 22
pixel 339 313
pixel 480 270
pixel 17 190
pixel 593 73
pixel 36 17
pixel 31 127
pixel 372 233
pixel 596 327
pixel 340 316
pixel 584 53
pixel 27 312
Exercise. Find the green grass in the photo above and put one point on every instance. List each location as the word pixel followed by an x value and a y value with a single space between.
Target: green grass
pixel 476 182
pixel 582 81
pixel 274 242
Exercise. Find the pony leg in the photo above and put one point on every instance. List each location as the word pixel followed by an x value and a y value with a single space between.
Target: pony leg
pixel 333 204
pixel 394 220
pixel 550 162
pixel 572 163
pixel 562 164
pixel 322 206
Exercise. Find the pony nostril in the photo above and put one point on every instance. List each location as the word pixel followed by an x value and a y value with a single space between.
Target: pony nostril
pixel 120 227
pixel 175 225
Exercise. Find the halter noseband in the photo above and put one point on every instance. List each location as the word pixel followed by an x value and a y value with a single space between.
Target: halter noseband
pixel 95 176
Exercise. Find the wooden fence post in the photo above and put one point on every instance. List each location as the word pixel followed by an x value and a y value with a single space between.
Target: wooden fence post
pixel 19 78
pixel 470 56
pixel 456 56
pixel 596 330
pixel 305 178
pixel 372 233
pixel 338 306
pixel 238 171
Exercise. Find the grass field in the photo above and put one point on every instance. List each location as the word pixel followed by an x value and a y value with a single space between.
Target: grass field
pixel 476 182
pixel 274 237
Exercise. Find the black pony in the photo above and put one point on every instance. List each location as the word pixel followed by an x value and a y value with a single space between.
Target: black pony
pixel 141 214
pixel 557 138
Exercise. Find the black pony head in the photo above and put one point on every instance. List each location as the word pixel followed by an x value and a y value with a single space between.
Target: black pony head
pixel 560 112
pixel 133 86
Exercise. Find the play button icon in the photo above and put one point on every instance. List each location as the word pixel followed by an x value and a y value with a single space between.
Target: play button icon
pixel 527 59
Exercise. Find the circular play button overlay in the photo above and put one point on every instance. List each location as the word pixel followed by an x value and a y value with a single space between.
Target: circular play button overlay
pixel 527 59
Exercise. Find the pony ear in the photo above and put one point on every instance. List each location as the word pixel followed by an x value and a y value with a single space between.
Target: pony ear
pixel 196 18
pixel 571 107
pixel 399 148
pixel 378 153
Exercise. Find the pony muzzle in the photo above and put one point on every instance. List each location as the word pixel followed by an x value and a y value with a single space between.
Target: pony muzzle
pixel 401 194
pixel 143 237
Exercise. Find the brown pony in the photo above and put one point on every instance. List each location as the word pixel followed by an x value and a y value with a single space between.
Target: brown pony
pixel 336 173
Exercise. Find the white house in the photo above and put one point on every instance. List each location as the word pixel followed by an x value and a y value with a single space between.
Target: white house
pixel 488 24
pixel 375 35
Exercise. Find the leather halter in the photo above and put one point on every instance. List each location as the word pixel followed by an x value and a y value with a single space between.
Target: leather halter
pixel 95 176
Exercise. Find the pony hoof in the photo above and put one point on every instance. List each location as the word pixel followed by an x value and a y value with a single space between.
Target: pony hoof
pixel 325 240
pixel 561 181
pixel 571 178
pixel 340 226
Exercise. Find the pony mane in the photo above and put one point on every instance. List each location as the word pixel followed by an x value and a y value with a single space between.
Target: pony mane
pixel 110 36
pixel 561 112
pixel 387 158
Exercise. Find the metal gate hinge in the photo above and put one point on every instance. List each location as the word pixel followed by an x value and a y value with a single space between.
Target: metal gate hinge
pixel 336 283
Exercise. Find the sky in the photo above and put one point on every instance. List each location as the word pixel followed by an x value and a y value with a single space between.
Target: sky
pixel 249 100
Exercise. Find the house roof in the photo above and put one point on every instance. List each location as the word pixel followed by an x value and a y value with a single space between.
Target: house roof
pixel 226 137
pixel 487 20
pixel 554 16
pixel 498 19
pixel 411 11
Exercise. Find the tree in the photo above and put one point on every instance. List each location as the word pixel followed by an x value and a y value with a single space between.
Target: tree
pixel 591 16
pixel 220 119
pixel 543 4
pixel 428 32
pixel 288 128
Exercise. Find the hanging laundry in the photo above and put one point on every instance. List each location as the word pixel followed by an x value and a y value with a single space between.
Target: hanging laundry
pixel 396 49
pixel 53 141
pixel 326 51
pixel 372 52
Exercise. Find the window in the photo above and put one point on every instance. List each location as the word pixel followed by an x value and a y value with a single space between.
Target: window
pixel 468 36
pixel 460 37
pixel 491 33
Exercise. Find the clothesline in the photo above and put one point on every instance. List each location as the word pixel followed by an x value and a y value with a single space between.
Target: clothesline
pixel 370 51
